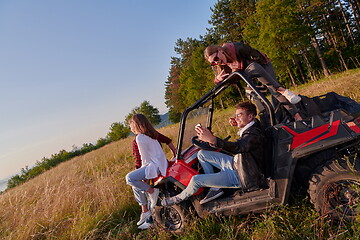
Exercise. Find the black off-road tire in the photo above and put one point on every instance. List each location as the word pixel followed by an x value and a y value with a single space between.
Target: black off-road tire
pixel 335 189
pixel 173 218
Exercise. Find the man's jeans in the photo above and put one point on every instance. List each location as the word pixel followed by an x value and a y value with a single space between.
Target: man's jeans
pixel 226 178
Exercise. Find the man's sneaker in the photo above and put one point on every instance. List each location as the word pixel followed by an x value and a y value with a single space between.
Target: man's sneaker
pixel 153 198
pixel 143 217
pixel 291 97
pixel 170 201
pixel 148 223
pixel 212 194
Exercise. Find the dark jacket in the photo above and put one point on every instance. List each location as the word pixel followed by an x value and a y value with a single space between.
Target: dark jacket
pixel 249 155
pixel 246 53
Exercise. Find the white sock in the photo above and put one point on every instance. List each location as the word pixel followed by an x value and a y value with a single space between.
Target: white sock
pixel 291 97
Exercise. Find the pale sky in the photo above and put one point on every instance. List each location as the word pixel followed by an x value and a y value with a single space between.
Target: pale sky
pixel 70 68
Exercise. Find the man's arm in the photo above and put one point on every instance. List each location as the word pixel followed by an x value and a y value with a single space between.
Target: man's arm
pixel 136 154
pixel 250 140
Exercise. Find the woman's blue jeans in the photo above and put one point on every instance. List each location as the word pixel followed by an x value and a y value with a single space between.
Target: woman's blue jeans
pixel 226 178
pixel 135 180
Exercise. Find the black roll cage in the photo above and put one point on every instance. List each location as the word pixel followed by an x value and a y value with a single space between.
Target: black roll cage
pixel 233 78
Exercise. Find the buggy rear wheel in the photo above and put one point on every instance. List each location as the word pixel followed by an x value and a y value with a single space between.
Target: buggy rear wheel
pixel 335 189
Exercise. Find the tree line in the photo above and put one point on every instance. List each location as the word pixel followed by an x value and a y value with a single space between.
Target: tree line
pixel 118 130
pixel 305 40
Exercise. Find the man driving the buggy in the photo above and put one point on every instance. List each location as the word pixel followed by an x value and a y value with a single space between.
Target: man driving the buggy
pixel 244 170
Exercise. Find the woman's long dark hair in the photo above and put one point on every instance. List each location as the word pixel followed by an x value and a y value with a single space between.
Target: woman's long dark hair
pixel 144 126
pixel 210 50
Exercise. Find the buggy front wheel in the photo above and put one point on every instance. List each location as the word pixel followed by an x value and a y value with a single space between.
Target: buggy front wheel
pixel 173 218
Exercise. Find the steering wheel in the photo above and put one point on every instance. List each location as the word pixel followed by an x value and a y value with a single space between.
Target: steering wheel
pixel 203 145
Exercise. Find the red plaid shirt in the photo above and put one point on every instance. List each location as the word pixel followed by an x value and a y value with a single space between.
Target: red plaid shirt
pixel 135 149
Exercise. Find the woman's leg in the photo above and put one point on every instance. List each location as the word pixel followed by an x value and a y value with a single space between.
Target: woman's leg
pixel 256 70
pixel 134 179
pixel 270 70
pixel 267 77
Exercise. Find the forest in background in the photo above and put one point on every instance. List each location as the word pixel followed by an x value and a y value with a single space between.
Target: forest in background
pixel 305 40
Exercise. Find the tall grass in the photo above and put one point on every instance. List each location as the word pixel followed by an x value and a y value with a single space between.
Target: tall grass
pixel 87 197
pixel 345 83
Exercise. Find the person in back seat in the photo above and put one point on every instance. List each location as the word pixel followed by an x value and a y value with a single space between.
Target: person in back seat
pixel 242 171
pixel 238 56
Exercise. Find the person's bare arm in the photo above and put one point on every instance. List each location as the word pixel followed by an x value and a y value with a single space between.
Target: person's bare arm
pixel 172 148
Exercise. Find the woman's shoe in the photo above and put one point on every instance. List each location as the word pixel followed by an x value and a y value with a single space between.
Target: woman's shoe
pixel 147 224
pixel 291 97
pixel 143 217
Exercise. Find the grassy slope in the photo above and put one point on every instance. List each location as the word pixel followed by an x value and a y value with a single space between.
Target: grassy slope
pixel 346 84
pixel 87 197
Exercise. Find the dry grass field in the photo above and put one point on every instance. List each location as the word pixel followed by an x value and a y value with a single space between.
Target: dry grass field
pixel 87 197
pixel 346 84
pixel 83 198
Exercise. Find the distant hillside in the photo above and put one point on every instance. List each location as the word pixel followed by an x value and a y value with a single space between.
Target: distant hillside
pixel 165 121
pixel 87 198
pixel 3 184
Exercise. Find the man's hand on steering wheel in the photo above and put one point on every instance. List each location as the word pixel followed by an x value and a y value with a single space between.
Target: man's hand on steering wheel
pixel 204 138
pixel 201 144
pixel 205 135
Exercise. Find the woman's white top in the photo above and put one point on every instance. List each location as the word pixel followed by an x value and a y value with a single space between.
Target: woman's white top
pixel 152 156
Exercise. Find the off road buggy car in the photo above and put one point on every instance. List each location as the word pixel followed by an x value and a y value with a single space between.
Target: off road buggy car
pixel 320 154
